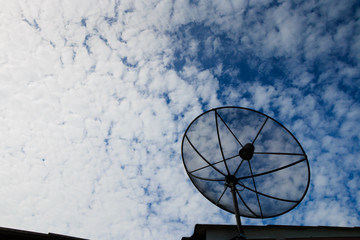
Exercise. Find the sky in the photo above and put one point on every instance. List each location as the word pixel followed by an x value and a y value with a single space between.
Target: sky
pixel 95 97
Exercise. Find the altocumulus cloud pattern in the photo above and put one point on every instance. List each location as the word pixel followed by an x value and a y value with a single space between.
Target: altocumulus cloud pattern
pixel 95 97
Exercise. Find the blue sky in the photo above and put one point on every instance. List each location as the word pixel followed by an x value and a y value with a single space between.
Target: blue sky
pixel 95 97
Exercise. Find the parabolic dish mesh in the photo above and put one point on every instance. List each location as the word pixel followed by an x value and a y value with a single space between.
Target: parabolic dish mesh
pixel 271 183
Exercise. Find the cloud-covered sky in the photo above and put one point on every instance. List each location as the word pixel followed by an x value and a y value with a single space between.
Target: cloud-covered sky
pixel 95 97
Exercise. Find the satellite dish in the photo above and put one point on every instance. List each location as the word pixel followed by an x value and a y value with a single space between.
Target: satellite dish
pixel 245 162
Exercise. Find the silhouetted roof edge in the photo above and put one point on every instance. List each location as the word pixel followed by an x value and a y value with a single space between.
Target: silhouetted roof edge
pixel 14 234
pixel 349 232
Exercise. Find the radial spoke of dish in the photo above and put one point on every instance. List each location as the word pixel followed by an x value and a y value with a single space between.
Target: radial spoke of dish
pixel 242 200
pixel 237 169
pixel 269 196
pixel 207 179
pixel 271 171
pixel 257 196
pixel 279 153
pixel 262 126
pixel 203 157
pixel 213 164
pixel 218 135
pixel 217 202
pixel 230 130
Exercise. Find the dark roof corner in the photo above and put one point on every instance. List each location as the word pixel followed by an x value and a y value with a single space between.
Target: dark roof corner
pixel 15 234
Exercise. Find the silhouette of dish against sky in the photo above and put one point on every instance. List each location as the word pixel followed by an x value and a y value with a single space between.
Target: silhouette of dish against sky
pixel 238 149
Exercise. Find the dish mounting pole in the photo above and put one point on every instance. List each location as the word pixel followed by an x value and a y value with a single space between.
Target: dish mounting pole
pixel 241 235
